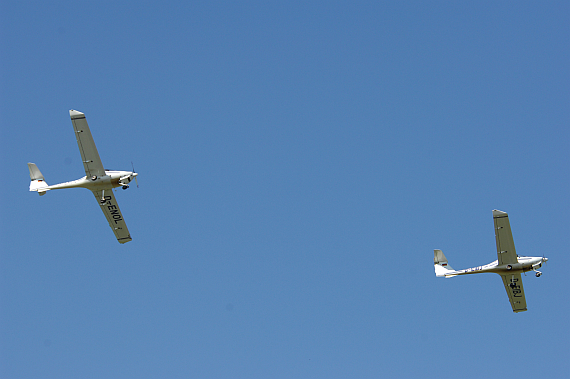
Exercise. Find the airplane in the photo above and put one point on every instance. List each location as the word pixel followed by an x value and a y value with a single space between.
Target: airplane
pixel 100 181
pixel 509 265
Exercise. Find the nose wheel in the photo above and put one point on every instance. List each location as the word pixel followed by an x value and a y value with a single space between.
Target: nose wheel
pixel 125 187
pixel 538 273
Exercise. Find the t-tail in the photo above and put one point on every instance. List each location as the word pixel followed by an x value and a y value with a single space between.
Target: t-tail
pixel 38 182
pixel 442 268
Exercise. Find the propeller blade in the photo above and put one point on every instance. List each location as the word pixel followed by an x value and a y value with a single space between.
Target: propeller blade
pixel 134 172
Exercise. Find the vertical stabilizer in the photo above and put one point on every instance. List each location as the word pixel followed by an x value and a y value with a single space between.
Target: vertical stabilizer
pixel 442 268
pixel 38 183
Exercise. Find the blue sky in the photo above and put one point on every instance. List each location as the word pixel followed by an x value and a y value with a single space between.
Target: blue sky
pixel 298 163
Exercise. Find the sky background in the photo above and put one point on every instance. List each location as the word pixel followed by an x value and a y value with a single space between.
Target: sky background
pixel 298 163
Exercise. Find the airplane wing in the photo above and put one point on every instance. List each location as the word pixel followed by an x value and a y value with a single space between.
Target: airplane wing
pixel 89 155
pixel 111 210
pixel 505 245
pixel 513 285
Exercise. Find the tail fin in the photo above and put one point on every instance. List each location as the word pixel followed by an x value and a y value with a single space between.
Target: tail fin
pixel 37 183
pixel 440 264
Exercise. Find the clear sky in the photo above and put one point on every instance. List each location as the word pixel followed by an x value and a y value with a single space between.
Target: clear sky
pixel 298 163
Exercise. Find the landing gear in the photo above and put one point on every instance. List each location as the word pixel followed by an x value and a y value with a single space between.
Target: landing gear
pixel 538 273
pixel 125 187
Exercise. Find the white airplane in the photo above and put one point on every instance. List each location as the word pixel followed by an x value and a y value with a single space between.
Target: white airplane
pixel 509 265
pixel 100 181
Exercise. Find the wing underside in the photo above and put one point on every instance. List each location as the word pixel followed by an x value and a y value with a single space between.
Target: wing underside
pixel 113 214
pixel 87 149
pixel 506 253
pixel 514 286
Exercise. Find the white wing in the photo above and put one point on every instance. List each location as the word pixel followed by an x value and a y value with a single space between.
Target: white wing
pixel 89 155
pixel 506 253
pixel 513 285
pixel 113 214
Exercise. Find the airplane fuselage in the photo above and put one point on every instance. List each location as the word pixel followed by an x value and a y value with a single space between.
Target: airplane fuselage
pixel 110 180
pixel 524 264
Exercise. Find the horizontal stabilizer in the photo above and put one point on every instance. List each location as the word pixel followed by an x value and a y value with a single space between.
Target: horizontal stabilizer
pixel 38 183
pixel 442 268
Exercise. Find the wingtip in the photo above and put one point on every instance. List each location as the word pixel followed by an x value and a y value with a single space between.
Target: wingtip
pixel 75 114
pixel 497 213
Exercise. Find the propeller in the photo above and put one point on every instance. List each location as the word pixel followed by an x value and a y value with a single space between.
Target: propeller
pixel 134 172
